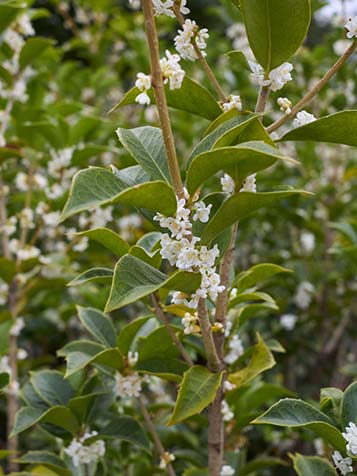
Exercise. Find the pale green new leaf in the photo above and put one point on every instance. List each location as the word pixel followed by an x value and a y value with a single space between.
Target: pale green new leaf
pixel 338 128
pixel 261 360
pixel 294 413
pixel 239 206
pixel 257 274
pixel 197 390
pixel 275 28
pixel 312 466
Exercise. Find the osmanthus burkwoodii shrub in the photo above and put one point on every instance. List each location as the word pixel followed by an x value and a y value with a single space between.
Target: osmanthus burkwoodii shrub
pixel 188 303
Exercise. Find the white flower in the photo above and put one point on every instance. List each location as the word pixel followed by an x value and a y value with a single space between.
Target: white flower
pixel 249 184
pixel 21 354
pixel 236 349
pixel 26 218
pixel 4 290
pixel 303 118
pixel 234 101
pixel 185 38
pixel 5 365
pixel 143 83
pixel 202 212
pixel 17 327
pixel 258 74
pixel 285 105
pixel 25 26
pixel 163 7
pixel 190 324
pixel 227 413
pixel 288 321
pixel 344 465
pixel 228 185
pixel 85 454
pixel 128 385
pixel 307 241
pixel 172 71
pixel 227 470
pixel 132 357
pixel 340 46
pixel 280 76
pixel 228 386
pixel 351 437
pixel 166 459
pixel 304 295
pixel 351 27
pixel 183 9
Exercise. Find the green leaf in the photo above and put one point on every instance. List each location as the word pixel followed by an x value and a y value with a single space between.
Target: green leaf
pixel 52 387
pixel 257 273
pixel 128 429
pixel 4 380
pixel 312 466
pixel 238 161
pixel 251 297
pixel 108 238
pixel 197 390
pixel 338 128
pixel 93 274
pixel 153 259
pixel 191 97
pixel 274 33
pixel 146 145
pixel 135 279
pixel 253 310
pixel 59 415
pixel 260 463
pixel 349 405
pixel 45 458
pixel 237 57
pixel 33 48
pixel 294 413
pixel 129 332
pixel 239 206
pixel 97 186
pixel 261 360
pixel 98 324
pixel 7 14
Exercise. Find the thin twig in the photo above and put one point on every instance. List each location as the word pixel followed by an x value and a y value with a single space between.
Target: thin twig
pixel 262 99
pixel 156 439
pixel 210 74
pixel 162 316
pixel 315 90
pixel 161 103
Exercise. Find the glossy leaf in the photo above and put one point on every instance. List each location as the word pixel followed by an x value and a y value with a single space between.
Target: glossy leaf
pixel 93 274
pixel 261 360
pixel 146 145
pixel 129 332
pixel 45 458
pixel 191 97
pixel 349 405
pixel 108 238
pixel 52 387
pixel 197 390
pixel 257 274
pixel 128 429
pixel 238 161
pixel 295 413
pixel 274 33
pixel 338 128
pixel 98 324
pixel 135 279
pixel 33 48
pixel 312 466
pixel 239 206
pixel 97 186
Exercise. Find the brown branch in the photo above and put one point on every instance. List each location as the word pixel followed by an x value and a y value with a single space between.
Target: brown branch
pixel 213 361
pixel 162 316
pixel 156 439
pixel 262 99
pixel 159 91
pixel 315 90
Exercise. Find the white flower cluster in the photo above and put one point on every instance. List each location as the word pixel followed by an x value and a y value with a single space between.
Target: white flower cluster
pixel 285 105
pixel 350 436
pixel 85 454
pixel 190 34
pixel 228 185
pixel 183 250
pixel 304 295
pixel 59 169
pixel 303 118
pixel 166 458
pixel 143 83
pixel 171 70
pixel 17 327
pixel 5 365
pixel 288 321
pixel 249 184
pixel 24 182
pixel 277 77
pixel 235 350
pixel 227 470
pixel 190 323
pixel 165 7
pixel 344 465
pixel 227 413
pixel 351 27
pixel 234 101
pixel 128 385
pixel 23 252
